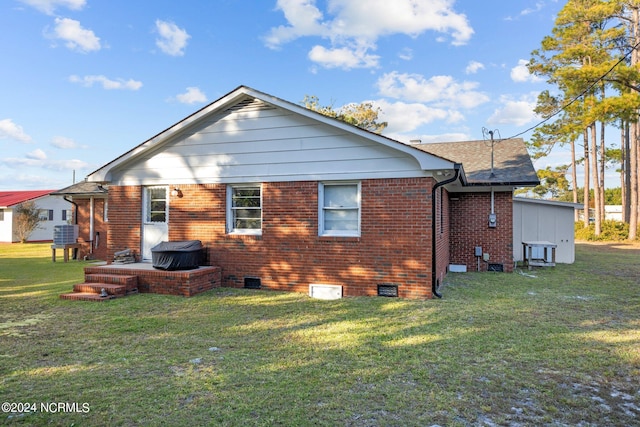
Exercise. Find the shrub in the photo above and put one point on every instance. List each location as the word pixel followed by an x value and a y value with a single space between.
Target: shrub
pixel 610 231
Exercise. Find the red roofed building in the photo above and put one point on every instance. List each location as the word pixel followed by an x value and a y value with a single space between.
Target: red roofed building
pixel 54 210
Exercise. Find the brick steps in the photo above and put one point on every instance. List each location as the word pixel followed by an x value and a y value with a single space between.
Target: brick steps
pixel 114 286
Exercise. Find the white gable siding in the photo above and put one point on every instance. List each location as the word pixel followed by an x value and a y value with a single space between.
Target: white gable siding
pixel 261 143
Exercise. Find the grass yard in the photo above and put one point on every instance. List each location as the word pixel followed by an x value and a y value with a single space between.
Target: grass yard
pixel 560 348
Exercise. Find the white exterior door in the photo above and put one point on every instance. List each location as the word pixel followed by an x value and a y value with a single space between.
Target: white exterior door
pixel 155 218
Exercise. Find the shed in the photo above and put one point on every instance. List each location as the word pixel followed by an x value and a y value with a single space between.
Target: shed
pixel 544 220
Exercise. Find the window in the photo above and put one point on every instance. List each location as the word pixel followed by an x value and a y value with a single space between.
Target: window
pixel 67 214
pixel 244 209
pixel 46 215
pixel 339 209
pixel 105 212
pixel 1 214
pixel 156 204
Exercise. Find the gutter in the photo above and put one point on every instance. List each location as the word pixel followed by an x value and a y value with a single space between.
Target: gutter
pixel 434 285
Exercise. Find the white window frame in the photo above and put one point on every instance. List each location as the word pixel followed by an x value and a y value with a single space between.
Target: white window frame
pixel 147 200
pixel 231 229
pixel 322 209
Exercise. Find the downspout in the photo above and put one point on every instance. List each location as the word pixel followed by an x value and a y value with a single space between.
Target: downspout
pixel 434 286
pixel 75 219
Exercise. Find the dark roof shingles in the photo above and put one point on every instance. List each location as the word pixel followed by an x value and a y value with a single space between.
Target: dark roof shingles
pixel 511 161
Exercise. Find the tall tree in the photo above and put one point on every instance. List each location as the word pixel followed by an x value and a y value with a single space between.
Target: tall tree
pixel 585 56
pixel 363 115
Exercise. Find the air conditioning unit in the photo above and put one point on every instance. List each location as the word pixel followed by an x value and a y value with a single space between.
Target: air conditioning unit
pixel 65 234
pixel 322 291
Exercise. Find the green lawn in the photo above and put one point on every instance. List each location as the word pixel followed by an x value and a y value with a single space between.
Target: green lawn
pixel 560 348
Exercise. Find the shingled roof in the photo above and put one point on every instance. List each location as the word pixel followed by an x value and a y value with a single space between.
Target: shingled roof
pixel 511 162
pixel 83 188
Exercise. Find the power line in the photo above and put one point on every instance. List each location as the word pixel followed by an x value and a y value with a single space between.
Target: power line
pixel 577 97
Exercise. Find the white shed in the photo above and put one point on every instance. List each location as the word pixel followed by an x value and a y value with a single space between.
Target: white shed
pixel 544 220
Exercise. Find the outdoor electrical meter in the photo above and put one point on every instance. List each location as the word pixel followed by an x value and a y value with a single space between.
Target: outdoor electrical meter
pixel 492 220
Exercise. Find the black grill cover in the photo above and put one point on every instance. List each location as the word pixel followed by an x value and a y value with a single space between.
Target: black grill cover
pixel 183 255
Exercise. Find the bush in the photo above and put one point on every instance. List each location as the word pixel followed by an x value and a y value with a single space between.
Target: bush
pixel 611 231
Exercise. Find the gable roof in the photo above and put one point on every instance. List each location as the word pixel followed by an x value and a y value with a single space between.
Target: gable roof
pixel 12 198
pixel 511 162
pixel 244 96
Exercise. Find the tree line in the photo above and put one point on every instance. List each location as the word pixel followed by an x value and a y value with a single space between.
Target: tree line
pixel 592 61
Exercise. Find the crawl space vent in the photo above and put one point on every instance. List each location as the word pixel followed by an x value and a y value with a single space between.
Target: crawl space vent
pixel 387 290
pixel 322 291
pixel 252 283
pixel 496 267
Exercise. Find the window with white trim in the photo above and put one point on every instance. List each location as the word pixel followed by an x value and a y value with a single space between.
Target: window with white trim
pixel 46 215
pixel 1 214
pixel 156 206
pixel 339 209
pixel 244 209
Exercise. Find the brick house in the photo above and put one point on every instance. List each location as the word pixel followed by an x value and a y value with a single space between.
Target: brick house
pixel 283 197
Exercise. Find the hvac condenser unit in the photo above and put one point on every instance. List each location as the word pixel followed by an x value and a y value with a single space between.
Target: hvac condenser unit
pixel 65 234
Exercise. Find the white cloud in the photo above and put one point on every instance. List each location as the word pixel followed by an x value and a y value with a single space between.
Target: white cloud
pixel 406 54
pixel 63 142
pixel 357 23
pixel 37 154
pixel 173 40
pixel 10 130
pixel 520 73
pixel 38 159
pixel 49 6
pixel 473 67
pixel 106 83
pixel 343 57
pixel 515 112
pixel 441 91
pixel 405 117
pixel 193 95
pixel 76 38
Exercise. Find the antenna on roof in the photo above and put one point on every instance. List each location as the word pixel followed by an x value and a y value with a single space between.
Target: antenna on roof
pixel 488 135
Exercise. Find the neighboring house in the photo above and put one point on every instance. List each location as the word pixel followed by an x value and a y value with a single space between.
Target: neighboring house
pixel 53 211
pixel 283 197
pixel 613 213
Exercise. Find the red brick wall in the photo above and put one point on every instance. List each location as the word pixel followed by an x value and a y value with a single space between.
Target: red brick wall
pixel 83 213
pixel 442 233
pixel 394 246
pixel 469 228
pixel 125 217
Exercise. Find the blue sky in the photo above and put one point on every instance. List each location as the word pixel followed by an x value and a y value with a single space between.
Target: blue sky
pixel 84 81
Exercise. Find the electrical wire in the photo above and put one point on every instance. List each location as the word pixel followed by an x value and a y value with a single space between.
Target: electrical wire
pixel 577 97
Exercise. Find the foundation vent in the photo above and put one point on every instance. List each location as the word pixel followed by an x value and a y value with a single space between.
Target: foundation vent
pixel 496 267
pixel 252 283
pixel 322 291
pixel 385 290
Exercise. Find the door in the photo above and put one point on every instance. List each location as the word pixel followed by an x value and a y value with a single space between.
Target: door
pixel 155 218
